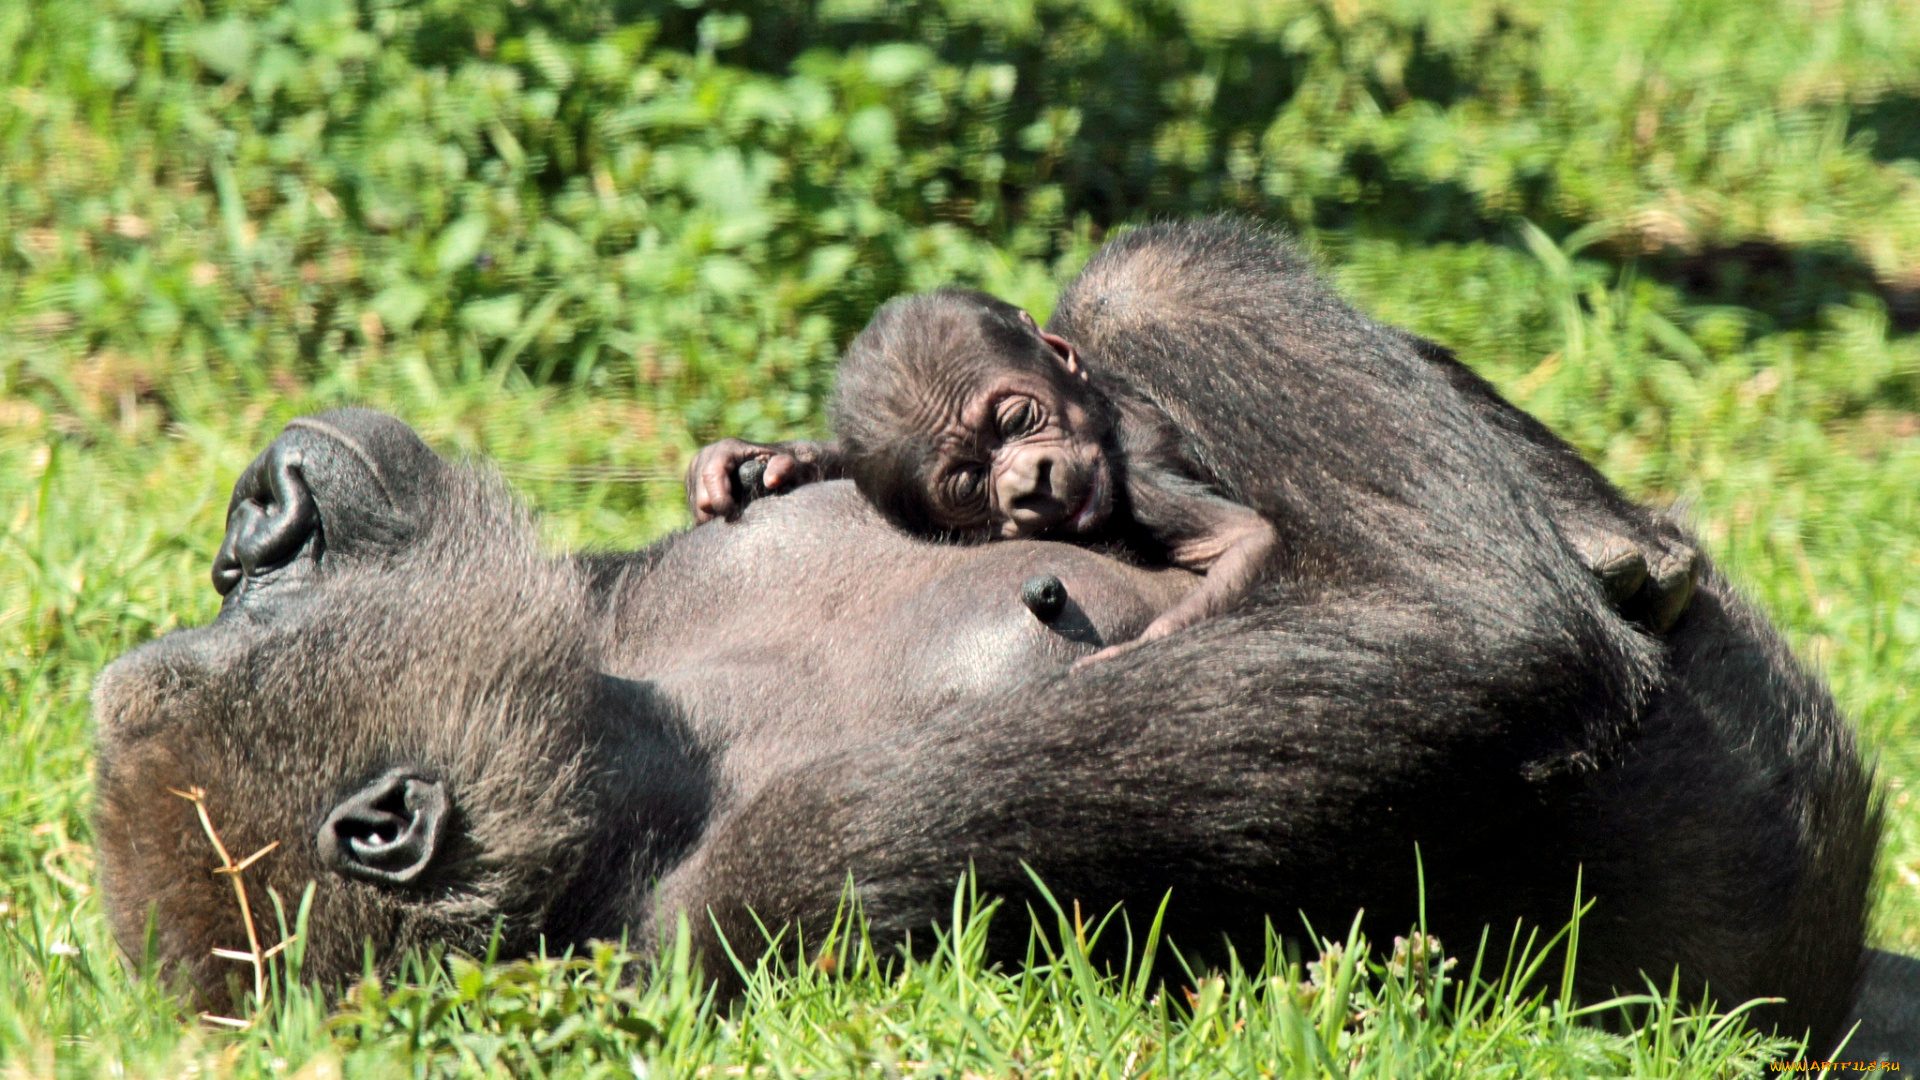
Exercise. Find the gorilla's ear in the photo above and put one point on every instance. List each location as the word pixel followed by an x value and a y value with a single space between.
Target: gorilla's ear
pixel 388 831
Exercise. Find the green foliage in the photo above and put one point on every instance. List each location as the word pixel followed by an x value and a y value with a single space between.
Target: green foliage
pixel 840 1008
pixel 693 207
pixel 580 236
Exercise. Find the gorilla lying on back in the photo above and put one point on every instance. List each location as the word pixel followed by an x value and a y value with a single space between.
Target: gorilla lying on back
pixel 444 728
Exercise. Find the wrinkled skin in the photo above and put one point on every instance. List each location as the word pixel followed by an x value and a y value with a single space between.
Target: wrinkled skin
pixel 960 419
pixel 999 431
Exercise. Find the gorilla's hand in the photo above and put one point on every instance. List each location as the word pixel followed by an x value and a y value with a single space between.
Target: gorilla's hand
pixel 727 475
pixel 1649 575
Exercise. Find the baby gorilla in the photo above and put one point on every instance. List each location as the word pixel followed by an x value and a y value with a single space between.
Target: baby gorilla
pixel 960 418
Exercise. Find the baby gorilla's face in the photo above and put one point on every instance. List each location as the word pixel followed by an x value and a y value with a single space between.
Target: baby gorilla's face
pixel 1023 454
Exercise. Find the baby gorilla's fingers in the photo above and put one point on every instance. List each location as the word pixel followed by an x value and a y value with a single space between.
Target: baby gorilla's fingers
pixel 779 468
pixel 1108 653
pixel 710 478
pixel 1169 623
pixel 709 494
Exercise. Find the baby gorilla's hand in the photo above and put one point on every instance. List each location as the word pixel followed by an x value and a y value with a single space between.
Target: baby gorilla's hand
pixel 1107 653
pixel 712 488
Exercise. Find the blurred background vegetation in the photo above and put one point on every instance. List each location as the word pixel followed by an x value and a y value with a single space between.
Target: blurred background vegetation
pixel 583 236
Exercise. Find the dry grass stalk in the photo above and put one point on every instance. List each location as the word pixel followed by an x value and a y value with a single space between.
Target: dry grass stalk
pixel 254 954
pixel 79 853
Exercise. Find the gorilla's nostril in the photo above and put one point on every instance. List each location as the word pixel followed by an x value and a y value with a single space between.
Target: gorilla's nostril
pixel 226 572
pixel 271 518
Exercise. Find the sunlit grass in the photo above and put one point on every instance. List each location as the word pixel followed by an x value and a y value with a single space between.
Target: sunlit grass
pixel 577 249
pixel 841 1007
pixel 107 545
pixel 1803 495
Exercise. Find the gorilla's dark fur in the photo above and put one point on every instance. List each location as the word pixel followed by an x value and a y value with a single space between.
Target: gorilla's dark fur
pixel 742 715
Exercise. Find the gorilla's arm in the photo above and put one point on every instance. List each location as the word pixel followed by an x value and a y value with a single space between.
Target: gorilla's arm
pixel 1647 563
pixel 1265 763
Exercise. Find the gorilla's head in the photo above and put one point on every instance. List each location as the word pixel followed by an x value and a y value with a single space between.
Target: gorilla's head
pixel 400 691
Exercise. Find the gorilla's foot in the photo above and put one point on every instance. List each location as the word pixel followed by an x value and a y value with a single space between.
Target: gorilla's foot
pixel 1651 583
pixel 1887 1008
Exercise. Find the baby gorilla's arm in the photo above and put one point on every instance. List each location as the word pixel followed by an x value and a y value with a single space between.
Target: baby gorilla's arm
pixel 711 489
pixel 1201 531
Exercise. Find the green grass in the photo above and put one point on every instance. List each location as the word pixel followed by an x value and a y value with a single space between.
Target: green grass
pixel 1803 491
pixel 579 238
pixel 839 1007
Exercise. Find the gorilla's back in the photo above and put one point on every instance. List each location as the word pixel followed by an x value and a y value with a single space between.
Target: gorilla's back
pixel 1743 811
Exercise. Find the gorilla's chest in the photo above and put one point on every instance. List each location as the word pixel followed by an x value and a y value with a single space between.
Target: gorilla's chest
pixel 813 624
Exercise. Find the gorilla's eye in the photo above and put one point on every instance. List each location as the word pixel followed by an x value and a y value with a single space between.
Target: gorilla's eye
pixel 1017 418
pixel 964 485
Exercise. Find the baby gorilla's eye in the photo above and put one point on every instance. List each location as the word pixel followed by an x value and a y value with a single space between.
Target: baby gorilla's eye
pixel 1017 418
pixel 964 485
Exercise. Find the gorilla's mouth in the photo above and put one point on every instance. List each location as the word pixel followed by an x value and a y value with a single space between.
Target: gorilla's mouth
pixel 1094 508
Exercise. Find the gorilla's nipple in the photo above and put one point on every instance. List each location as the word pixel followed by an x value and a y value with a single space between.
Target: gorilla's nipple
pixel 1045 596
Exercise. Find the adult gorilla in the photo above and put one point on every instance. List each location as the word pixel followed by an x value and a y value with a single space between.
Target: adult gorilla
pixel 444 728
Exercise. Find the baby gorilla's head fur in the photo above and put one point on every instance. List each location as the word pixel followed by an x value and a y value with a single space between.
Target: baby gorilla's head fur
pixel 960 418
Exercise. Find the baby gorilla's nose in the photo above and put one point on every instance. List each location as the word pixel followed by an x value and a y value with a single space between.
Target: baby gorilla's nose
pixel 1028 491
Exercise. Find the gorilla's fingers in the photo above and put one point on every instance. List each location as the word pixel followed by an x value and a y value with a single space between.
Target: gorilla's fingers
pixel 699 502
pixel 1670 586
pixel 778 468
pixel 710 480
pixel 1109 652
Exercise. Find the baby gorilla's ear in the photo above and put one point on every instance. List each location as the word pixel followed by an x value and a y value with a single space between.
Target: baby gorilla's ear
pixel 1069 356
pixel 1062 348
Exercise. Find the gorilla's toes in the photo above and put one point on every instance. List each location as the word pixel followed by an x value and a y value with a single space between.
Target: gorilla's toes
pixel 1617 562
pixel 1648 579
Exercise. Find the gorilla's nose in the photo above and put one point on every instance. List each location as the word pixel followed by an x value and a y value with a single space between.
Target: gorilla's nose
pixel 271 518
pixel 1026 492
